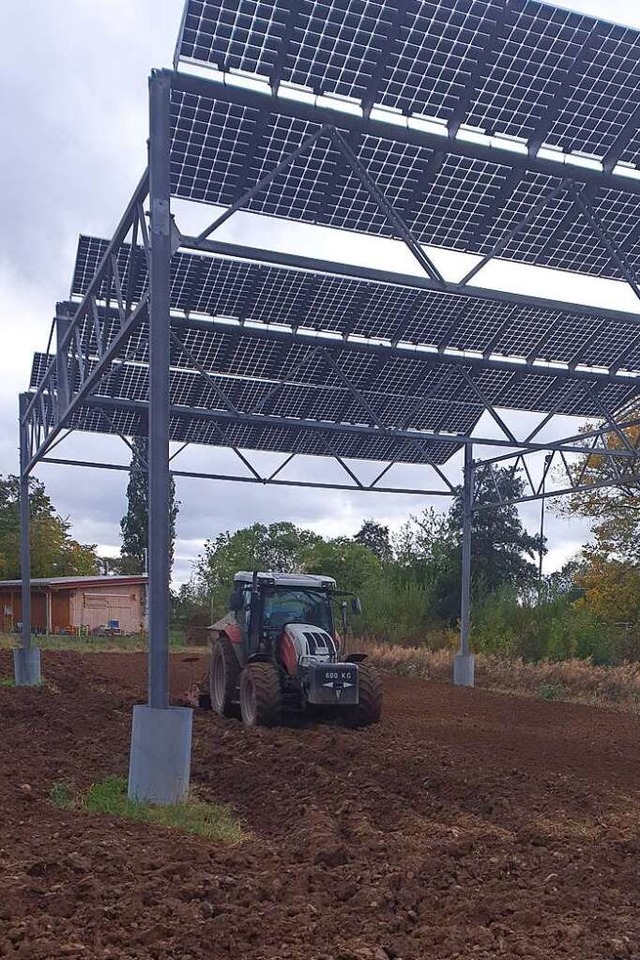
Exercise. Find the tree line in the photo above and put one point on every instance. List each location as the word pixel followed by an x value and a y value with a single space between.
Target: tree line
pixel 409 579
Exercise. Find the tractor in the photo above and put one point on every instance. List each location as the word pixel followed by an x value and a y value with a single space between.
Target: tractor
pixel 278 652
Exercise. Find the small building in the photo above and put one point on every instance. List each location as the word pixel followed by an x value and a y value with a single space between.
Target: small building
pixel 77 604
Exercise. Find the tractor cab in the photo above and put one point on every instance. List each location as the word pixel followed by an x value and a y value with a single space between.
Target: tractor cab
pixel 264 603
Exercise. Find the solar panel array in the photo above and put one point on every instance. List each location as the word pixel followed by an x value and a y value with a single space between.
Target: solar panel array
pixel 524 70
pixel 200 415
pixel 296 383
pixel 252 370
pixel 246 370
pixel 243 291
pixel 219 150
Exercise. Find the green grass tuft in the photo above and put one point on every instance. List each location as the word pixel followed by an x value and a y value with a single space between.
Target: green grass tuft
pixel 110 796
pixel 551 691
pixel 61 794
pixel 7 682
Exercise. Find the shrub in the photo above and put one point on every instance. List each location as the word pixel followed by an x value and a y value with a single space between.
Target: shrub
pixel 550 679
pixel 393 612
pixel 551 691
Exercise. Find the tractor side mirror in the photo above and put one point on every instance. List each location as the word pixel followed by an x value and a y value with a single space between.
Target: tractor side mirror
pixel 235 601
pixel 356 606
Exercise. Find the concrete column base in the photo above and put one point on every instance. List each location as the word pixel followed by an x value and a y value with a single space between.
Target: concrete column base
pixel 26 666
pixel 464 669
pixel 160 761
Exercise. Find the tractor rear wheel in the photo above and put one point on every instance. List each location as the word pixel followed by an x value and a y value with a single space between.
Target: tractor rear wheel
pixel 369 706
pixel 260 695
pixel 223 678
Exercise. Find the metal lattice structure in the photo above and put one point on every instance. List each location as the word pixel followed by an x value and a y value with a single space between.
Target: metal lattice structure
pixel 507 129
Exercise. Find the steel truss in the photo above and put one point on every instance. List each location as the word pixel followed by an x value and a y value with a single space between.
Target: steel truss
pixel 97 336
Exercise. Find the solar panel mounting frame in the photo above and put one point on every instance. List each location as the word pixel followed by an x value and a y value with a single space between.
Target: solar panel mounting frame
pixel 89 346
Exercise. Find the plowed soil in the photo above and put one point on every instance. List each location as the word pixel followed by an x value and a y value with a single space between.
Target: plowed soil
pixel 465 825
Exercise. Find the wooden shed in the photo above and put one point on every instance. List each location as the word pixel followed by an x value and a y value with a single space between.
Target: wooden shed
pixel 77 604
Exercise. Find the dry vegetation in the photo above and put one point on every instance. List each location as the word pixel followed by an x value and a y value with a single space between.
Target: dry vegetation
pixel 552 680
pixel 574 679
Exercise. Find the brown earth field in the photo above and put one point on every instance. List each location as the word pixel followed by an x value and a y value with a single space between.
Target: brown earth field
pixel 466 824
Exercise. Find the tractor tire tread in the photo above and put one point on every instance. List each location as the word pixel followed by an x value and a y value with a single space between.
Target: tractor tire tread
pixel 268 695
pixel 223 650
pixel 369 706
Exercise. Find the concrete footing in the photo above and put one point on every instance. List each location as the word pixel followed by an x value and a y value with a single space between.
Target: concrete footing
pixel 26 666
pixel 160 760
pixel 464 665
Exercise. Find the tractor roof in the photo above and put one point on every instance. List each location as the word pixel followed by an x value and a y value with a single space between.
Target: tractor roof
pixel 309 580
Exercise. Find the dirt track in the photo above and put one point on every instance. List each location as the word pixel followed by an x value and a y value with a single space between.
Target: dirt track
pixel 466 825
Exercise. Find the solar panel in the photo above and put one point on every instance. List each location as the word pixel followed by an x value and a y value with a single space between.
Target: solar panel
pixel 283 438
pixel 524 69
pixel 90 253
pixel 534 49
pixel 603 98
pixel 261 391
pixel 311 390
pixel 246 35
pixel 244 291
pixel 219 150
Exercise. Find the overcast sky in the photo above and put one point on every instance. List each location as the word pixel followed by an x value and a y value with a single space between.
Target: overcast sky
pixel 73 101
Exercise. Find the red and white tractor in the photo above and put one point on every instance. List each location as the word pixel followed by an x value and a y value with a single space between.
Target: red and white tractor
pixel 278 651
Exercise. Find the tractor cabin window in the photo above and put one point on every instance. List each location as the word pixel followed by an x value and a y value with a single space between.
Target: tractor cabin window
pixel 303 606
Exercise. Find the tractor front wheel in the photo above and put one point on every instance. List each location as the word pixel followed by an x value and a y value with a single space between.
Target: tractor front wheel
pixel 260 695
pixel 223 682
pixel 369 706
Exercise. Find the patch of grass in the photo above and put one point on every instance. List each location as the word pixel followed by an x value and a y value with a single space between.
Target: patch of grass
pixel 132 644
pixel 551 691
pixel 43 684
pixel 195 816
pixel 61 794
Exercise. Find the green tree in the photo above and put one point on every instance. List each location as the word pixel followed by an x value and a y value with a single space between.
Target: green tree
pixel 502 550
pixel 375 537
pixel 276 546
pixel 609 576
pixel 565 583
pixel 134 525
pixel 54 552
pixel 614 509
pixel 428 549
pixel 350 564
pixel 424 545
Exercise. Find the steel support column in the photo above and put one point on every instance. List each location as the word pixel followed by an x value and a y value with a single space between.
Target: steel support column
pixel 25 545
pixel 464 660
pixel 161 736
pixel 26 660
pixel 159 348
